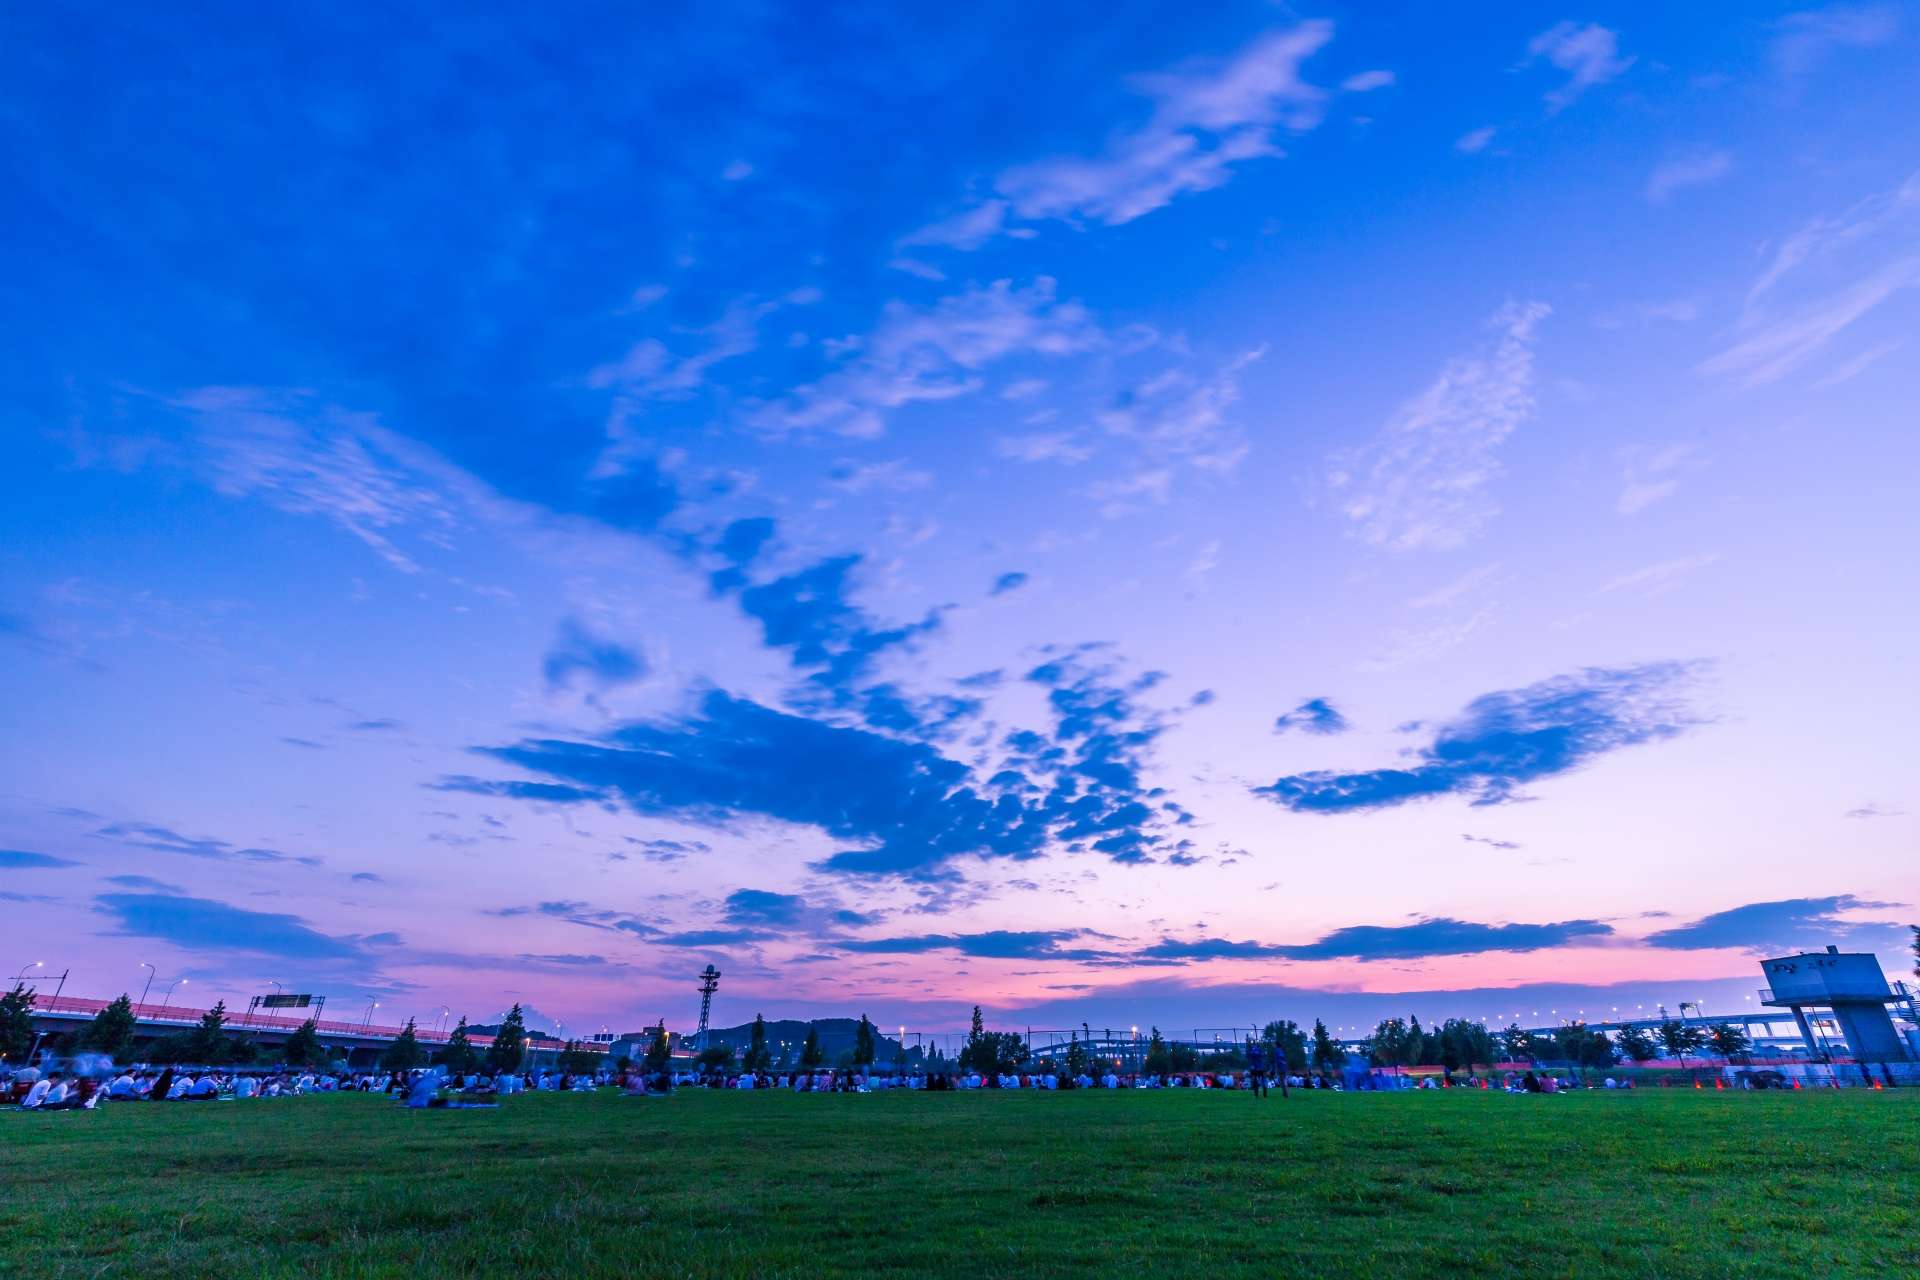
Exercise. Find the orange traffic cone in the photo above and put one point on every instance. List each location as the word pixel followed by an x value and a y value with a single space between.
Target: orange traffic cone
pixel 1698 1085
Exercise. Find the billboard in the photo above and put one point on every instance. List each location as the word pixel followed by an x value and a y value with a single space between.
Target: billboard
pixel 286 1000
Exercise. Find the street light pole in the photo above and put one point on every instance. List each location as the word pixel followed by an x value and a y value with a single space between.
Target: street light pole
pixel 23 971
pixel 143 990
pixel 168 999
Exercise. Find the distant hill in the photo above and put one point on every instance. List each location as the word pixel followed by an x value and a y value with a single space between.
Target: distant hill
pixel 836 1039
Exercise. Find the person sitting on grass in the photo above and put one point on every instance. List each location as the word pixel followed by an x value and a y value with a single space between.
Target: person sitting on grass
pixel 36 1097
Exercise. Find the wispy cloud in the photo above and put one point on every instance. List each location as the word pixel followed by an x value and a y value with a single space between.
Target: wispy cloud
pixel 1821 280
pixel 1474 141
pixel 1659 576
pixel 203 924
pixel 26 860
pixel 1802 40
pixel 1651 476
pixel 918 354
pixel 1687 171
pixel 1209 117
pixel 1420 484
pixel 1502 741
pixel 147 835
pixel 1316 716
pixel 577 658
pixel 1438 936
pixel 1786 925
pixel 310 458
pixel 1367 81
pixel 1589 53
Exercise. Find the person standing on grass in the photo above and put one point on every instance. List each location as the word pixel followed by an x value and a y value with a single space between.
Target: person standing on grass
pixel 1257 1068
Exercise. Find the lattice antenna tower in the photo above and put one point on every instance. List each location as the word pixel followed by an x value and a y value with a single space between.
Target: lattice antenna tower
pixel 709 983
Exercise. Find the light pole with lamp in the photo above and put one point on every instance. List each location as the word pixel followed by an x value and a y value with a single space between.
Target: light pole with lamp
pixel 168 998
pixel 143 990
pixel 366 1020
pixel 20 976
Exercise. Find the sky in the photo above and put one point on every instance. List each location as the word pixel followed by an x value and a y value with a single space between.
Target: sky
pixel 1119 514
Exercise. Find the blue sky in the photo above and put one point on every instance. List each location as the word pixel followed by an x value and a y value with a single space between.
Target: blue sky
pixel 1115 513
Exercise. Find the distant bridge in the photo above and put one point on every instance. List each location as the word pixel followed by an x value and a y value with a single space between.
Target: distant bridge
pixel 58 1018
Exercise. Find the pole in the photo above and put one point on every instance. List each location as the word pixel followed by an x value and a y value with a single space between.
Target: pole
pixel 143 990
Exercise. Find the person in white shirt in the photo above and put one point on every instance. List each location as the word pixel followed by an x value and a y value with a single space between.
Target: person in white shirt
pixel 37 1096
pixel 182 1085
pixel 245 1087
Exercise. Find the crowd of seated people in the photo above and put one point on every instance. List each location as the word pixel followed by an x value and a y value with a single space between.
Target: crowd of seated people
pixel 30 1089
pixel 855 1080
pixel 55 1090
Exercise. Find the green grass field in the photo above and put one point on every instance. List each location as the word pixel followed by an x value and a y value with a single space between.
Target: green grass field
pixel 1648 1183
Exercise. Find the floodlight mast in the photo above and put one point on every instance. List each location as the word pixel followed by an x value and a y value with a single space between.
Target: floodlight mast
pixel 709 983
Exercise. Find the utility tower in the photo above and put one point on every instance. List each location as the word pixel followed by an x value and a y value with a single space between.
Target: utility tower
pixel 709 983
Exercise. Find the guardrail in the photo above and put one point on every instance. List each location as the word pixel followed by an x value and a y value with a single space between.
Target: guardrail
pixel 173 1015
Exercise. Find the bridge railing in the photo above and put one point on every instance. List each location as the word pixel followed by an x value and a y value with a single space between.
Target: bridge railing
pixel 183 1017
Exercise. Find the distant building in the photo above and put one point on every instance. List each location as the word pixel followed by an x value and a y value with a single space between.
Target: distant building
pixel 1852 986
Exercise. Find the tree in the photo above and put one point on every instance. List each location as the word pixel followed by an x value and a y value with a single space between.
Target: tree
pixel 715 1057
pixel 1679 1038
pixel 1158 1061
pixel 16 1023
pixel 1583 1046
pixel 975 1054
pixel 1729 1041
pixel 509 1043
pixel 303 1047
pixel 1389 1045
pixel 405 1053
pixel 1464 1043
pixel 863 1051
pixel 111 1031
pixel 1325 1054
pixel 1289 1040
pixel 1076 1056
pixel 576 1060
pixel 208 1041
pixel 458 1054
pixel 1637 1044
pixel 659 1052
pixel 1414 1053
pixel 811 1056
pixel 758 1056
pixel 1518 1045
pixel 1006 1051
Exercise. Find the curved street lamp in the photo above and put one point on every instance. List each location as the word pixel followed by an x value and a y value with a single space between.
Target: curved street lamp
pixel 37 964
pixel 151 971
pixel 168 999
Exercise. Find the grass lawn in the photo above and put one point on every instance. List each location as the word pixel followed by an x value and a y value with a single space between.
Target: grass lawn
pixel 1649 1183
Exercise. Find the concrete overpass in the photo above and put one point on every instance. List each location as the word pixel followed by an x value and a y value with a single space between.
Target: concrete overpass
pixel 57 1019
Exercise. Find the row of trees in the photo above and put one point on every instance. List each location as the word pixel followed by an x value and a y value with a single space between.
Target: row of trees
pixel 1458 1044
pixel 759 1055
pixel 212 1043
